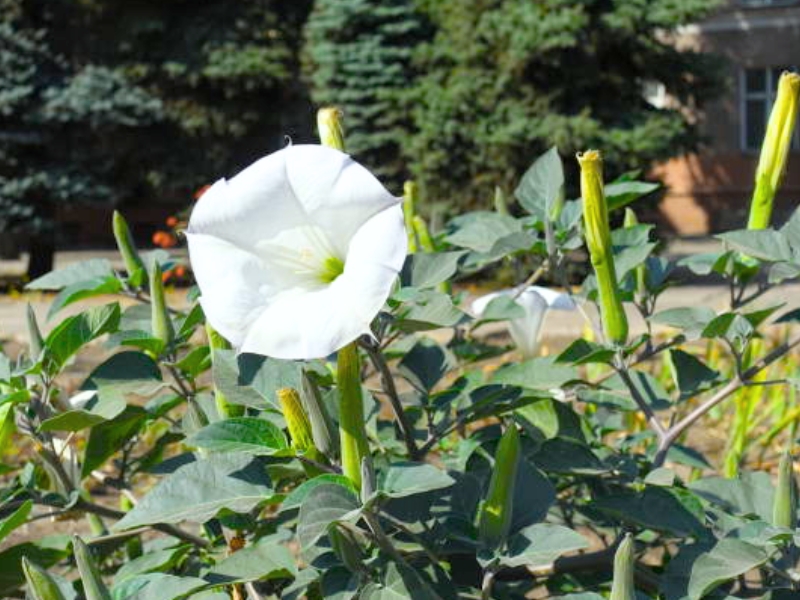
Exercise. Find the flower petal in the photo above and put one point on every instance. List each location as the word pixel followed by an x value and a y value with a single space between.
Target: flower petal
pixel 234 284
pixel 314 324
pixel 336 192
pixel 555 300
pixel 525 331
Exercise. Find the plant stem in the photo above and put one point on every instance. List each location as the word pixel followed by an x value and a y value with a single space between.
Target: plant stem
pixel 389 388
pixel 652 419
pixel 352 433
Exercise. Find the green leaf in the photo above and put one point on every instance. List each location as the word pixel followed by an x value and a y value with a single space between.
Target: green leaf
pixel 266 559
pixel 267 375
pixel 75 420
pixel 620 194
pixel 296 497
pixel 93 586
pixel 751 494
pixel 766 244
pixel 400 583
pixel 324 505
pixel 44 552
pixel 671 510
pixel 425 364
pixel 427 269
pixel 540 186
pixel 534 494
pixel 109 437
pixel 426 309
pixel 157 586
pixel 84 289
pixel 196 361
pixel 502 308
pixel 73 332
pixel 690 374
pixel 96 268
pixel 691 320
pixel 197 491
pixel 158 560
pixel 537 373
pixel 225 372
pixel 581 352
pixel 731 326
pixel 407 479
pixel 480 231
pixel 566 456
pixel 726 561
pixel 540 544
pixel 15 519
pixel 241 434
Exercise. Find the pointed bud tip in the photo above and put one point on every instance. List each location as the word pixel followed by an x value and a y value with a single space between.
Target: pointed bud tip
pixel 589 156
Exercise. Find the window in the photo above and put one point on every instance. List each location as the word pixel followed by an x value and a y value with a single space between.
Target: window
pixel 758 88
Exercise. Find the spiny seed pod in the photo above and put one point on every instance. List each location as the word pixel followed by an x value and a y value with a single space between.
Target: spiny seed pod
pixel 127 249
pixel 35 341
pixel 496 511
pixel 784 508
pixel 331 130
pixel 775 150
pixel 410 198
pixel 41 586
pixel 161 322
pixel 296 419
pixel 323 429
pixel 93 586
pixel 346 547
pixel 622 587
pixel 598 242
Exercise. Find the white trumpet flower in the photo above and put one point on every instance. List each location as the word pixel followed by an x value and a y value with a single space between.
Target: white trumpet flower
pixel 536 302
pixel 297 253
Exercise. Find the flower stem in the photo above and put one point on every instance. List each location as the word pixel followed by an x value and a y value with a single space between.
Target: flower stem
pixel 352 433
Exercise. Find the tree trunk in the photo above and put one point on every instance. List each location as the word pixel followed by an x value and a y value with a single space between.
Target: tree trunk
pixel 42 249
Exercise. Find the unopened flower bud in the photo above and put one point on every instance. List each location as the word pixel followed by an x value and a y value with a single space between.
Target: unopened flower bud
pixel 784 508
pixel 296 419
pixel 598 242
pixel 35 341
pixel 127 249
pixel 622 587
pixel 41 586
pixel 497 508
pixel 329 124
pixel 323 428
pixel 161 322
pixel 775 150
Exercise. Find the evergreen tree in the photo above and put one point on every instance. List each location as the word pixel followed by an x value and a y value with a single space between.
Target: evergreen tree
pixel 138 102
pixel 505 80
pixel 358 57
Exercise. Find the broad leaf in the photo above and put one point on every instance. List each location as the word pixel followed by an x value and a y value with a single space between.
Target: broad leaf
pixel 407 479
pixel 197 491
pixel 426 269
pixel 325 504
pixel 96 268
pixel 73 332
pixel 266 559
pixel 540 186
pixel 727 560
pixel 540 544
pixel 537 373
pixel 241 434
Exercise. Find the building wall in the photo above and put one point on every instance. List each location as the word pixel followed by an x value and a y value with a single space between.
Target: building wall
pixel 710 191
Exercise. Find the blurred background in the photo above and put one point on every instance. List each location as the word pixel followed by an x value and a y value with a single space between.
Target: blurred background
pixel 138 104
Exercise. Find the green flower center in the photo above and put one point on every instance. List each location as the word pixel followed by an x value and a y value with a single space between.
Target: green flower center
pixel 332 267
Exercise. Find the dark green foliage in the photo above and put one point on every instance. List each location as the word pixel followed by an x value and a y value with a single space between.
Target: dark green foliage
pixel 136 103
pixel 505 80
pixel 358 55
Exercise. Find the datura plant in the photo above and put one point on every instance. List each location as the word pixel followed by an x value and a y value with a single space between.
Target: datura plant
pixel 332 412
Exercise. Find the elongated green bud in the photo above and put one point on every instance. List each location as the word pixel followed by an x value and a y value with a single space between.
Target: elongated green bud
pixel 93 586
pixel 496 510
pixel 215 343
pixel 622 587
pixel 598 242
pixel 641 270
pixel 775 150
pixel 41 586
pixel 410 198
pixel 500 201
pixel 35 340
pixel 323 428
pixel 352 433
pixel 296 419
pixel 424 236
pixel 784 508
pixel 127 249
pixel 161 323
pixel 331 130
pixel 346 547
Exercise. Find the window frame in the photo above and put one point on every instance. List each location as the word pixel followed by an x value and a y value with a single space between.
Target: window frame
pixel 767 95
